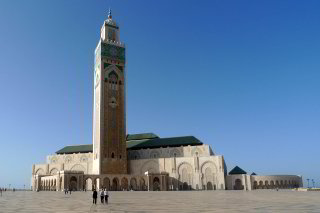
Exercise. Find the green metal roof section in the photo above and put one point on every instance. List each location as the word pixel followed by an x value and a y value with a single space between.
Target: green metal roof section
pixel 134 144
pixel 253 173
pixel 237 171
pixel 141 136
pixel 76 149
pixel 163 142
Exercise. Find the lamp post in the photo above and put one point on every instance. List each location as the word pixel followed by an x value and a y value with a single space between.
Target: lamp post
pixel 308 181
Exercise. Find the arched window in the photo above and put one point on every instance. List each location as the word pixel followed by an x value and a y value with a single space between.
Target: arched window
pixel 112 155
pixel 113 79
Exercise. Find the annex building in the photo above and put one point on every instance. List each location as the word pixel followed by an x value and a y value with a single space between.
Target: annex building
pixel 119 161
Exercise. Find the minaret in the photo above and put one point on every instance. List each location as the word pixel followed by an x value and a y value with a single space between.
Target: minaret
pixel 109 119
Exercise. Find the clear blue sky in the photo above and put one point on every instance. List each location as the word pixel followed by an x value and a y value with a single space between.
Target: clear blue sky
pixel 242 76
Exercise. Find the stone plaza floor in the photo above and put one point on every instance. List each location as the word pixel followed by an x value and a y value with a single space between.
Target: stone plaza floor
pixel 179 201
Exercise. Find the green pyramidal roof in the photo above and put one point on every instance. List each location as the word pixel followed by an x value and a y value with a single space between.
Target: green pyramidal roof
pixel 237 171
pixel 139 141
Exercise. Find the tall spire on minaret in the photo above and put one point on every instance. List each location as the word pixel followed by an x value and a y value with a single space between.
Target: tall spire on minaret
pixel 109 15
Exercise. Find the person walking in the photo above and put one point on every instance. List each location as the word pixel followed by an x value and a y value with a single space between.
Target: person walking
pixel 94 196
pixel 106 196
pixel 102 195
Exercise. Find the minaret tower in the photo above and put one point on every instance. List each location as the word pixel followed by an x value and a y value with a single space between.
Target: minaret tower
pixel 109 118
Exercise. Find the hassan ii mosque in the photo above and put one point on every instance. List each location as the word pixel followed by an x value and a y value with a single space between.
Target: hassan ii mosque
pixel 119 161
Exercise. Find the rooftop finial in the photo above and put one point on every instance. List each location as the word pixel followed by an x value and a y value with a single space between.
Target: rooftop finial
pixel 109 15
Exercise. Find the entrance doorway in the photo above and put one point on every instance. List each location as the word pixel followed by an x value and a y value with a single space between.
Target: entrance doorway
pixel 73 184
pixel 209 186
pixel 238 185
pixel 156 184
pixel 115 184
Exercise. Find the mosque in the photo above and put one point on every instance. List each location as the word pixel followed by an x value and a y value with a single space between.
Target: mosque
pixel 119 161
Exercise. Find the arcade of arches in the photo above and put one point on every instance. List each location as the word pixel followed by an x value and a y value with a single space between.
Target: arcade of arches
pixel 81 182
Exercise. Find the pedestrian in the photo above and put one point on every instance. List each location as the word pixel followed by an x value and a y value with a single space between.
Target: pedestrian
pixel 102 195
pixel 1 191
pixel 70 191
pixel 94 196
pixel 106 196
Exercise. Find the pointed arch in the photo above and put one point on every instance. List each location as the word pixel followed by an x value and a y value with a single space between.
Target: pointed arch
pixel 152 166
pixel 40 172
pixel 78 167
pixel 54 171
pixel 185 171
pixel 210 164
pixel 112 69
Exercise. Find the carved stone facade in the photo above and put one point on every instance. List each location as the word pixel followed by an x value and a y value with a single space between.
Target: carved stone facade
pixel 170 168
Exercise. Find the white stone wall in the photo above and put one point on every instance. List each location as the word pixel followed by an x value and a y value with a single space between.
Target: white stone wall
pixel 284 181
pixel 73 162
pixel 70 158
pixel 251 182
pixel 194 166
pixel 245 181
pixel 182 151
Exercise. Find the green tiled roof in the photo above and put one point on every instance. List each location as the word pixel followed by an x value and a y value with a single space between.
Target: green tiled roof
pixel 132 144
pixel 237 171
pixel 163 142
pixel 76 149
pixel 141 136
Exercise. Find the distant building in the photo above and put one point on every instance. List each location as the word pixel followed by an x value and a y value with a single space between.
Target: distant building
pixel 117 161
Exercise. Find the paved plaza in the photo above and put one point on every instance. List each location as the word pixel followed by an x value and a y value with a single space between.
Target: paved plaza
pixel 180 201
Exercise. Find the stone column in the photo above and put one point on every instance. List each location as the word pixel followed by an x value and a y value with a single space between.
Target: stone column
pixel 78 183
pixel 63 183
pixel 58 182
pixel 47 169
pixel 38 186
pixel 150 183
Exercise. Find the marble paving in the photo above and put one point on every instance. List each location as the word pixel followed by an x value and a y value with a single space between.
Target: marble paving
pixel 180 201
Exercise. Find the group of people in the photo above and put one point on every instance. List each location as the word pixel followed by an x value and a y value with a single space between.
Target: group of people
pixel 104 195
pixel 66 191
pixel 4 190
